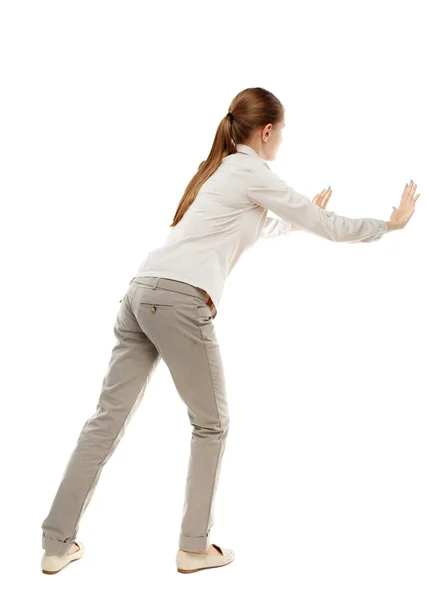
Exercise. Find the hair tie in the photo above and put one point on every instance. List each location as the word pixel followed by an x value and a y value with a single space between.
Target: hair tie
pixel 231 116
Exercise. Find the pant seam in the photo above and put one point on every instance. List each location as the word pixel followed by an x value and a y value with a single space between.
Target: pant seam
pixel 218 416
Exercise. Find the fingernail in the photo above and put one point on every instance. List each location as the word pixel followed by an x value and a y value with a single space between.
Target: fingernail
pixel 406 185
pixel 411 181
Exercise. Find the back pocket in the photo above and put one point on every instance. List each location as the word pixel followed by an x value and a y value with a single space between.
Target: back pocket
pixel 155 305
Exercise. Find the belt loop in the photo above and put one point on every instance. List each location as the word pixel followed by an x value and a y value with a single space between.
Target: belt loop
pixel 155 284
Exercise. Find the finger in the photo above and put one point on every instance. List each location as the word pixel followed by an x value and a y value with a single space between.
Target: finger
pixel 326 198
pixel 407 192
pixel 411 188
pixel 323 197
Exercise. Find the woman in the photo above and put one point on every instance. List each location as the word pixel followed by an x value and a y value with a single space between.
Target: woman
pixel 169 309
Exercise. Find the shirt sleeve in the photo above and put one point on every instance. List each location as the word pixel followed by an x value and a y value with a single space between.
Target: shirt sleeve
pixel 273 227
pixel 267 189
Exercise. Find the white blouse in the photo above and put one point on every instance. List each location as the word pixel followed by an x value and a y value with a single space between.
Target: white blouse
pixel 229 214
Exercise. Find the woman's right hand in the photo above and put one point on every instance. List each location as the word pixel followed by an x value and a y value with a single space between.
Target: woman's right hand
pixel 400 216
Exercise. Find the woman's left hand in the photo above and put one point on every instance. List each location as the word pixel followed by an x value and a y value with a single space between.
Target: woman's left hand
pixel 321 200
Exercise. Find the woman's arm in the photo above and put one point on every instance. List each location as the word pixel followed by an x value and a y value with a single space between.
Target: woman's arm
pixel 267 189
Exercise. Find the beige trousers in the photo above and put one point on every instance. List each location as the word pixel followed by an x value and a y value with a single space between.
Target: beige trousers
pixel 158 318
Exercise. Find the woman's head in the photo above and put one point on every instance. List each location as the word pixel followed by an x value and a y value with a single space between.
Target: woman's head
pixel 257 120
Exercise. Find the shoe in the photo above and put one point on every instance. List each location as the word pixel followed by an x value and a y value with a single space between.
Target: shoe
pixel 52 564
pixel 190 562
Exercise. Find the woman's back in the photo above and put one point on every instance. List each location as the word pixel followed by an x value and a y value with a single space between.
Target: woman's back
pixel 220 224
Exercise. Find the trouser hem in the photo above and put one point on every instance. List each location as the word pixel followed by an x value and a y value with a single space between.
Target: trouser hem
pixel 194 544
pixel 55 547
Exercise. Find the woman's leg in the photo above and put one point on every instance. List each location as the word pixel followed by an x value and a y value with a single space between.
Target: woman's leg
pixel 133 360
pixel 181 327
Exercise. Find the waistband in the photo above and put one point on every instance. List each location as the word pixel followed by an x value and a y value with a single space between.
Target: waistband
pixel 171 284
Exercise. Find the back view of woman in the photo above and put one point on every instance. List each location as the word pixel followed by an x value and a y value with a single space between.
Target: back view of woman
pixel 169 309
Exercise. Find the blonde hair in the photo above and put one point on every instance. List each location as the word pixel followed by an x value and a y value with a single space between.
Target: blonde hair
pixel 251 108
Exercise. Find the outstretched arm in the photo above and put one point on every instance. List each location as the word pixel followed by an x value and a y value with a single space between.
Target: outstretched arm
pixel 267 189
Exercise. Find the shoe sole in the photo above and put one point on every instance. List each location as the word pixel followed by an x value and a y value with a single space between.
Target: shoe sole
pixel 202 568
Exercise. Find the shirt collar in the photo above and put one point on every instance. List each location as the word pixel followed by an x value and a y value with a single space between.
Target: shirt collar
pixel 245 149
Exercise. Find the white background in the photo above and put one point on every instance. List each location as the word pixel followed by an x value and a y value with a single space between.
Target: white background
pixel 107 109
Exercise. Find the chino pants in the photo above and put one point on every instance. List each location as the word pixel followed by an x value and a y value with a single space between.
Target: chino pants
pixel 158 318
